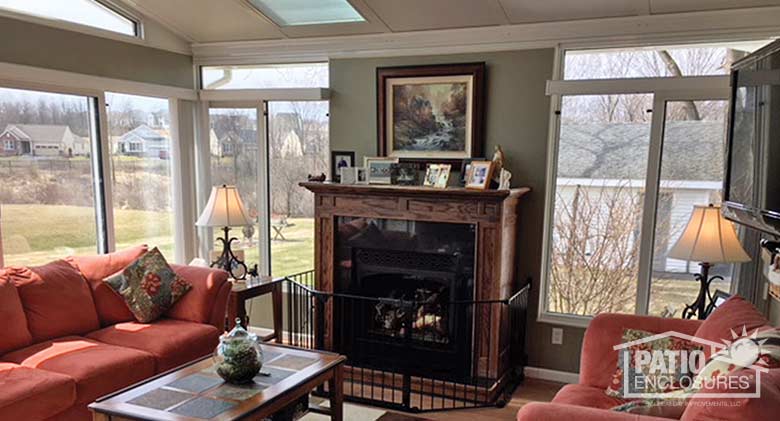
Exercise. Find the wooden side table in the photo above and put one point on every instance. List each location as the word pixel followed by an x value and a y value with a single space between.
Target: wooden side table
pixel 246 290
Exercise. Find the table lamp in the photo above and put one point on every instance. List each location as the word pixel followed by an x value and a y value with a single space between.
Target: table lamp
pixel 225 209
pixel 708 239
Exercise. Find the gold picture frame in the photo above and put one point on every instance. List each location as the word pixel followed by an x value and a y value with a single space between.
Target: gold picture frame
pixel 479 175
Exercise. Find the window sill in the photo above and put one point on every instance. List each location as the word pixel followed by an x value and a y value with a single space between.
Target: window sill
pixel 564 319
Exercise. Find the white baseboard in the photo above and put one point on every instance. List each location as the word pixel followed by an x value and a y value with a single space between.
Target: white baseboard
pixel 551 375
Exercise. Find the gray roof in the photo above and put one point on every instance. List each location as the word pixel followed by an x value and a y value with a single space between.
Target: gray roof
pixel 48 133
pixel 693 150
pixel 144 132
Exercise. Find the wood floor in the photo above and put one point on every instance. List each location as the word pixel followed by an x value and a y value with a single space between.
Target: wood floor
pixel 532 390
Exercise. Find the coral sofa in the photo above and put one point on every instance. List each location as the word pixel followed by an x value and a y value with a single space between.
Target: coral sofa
pixel 587 400
pixel 68 339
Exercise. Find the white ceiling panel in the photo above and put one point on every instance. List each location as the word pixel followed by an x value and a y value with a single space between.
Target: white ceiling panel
pixel 210 20
pixel 415 15
pixel 524 11
pixel 677 6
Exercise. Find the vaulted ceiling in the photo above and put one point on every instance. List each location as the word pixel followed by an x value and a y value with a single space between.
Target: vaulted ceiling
pixel 206 21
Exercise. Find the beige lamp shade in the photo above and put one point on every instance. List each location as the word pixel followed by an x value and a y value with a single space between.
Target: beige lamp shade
pixel 709 238
pixel 224 209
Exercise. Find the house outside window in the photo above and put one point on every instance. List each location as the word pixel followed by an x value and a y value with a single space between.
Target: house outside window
pixel 9 145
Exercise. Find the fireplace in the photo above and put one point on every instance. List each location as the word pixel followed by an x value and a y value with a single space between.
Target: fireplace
pixel 406 278
pixel 417 287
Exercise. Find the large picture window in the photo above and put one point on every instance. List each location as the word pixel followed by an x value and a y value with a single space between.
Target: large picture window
pixel 298 146
pixel 599 197
pixel 140 150
pixel 47 201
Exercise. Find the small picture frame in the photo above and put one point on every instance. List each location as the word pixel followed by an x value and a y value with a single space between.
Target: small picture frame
pixel 437 175
pixel 339 160
pixel 361 175
pixel 718 298
pixel 431 175
pixel 404 174
pixel 347 175
pixel 465 167
pixel 479 175
pixel 379 171
pixel 444 176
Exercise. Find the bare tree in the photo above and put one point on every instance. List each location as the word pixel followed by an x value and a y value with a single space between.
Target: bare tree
pixel 595 250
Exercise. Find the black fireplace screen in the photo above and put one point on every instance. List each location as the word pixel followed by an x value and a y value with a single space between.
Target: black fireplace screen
pixel 402 351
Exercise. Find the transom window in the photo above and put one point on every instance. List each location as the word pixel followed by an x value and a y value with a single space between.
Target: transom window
pixel 304 75
pixel 83 12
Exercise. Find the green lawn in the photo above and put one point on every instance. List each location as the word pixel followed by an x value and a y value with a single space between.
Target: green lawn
pixel 37 234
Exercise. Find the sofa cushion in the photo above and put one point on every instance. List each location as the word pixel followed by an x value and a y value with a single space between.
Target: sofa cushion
pixel 726 408
pixel 111 307
pixel 733 315
pixel 172 342
pixel 56 300
pixel 15 333
pixel 149 286
pixel 199 304
pixel 581 395
pixel 30 394
pixel 97 368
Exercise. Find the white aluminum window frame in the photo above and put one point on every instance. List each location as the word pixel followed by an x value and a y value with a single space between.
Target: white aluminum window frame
pixel 247 99
pixel 31 78
pixel 663 90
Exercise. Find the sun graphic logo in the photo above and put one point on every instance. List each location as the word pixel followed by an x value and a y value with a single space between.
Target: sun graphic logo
pixel 743 350
pixel 673 365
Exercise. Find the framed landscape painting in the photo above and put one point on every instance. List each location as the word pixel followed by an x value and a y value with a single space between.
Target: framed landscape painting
pixel 431 113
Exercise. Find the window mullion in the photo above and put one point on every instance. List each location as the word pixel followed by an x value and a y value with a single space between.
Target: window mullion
pixel 652 187
pixel 263 190
pixel 101 173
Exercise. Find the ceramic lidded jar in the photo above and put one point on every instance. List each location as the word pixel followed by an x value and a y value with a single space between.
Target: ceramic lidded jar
pixel 238 356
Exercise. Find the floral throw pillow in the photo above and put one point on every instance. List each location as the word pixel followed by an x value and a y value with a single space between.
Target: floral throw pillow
pixel 149 286
pixel 647 381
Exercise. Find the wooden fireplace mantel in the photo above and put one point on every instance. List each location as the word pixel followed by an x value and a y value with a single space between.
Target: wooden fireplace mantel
pixel 494 213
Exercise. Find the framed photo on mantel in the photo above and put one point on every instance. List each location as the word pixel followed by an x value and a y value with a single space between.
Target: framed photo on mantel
pixel 431 113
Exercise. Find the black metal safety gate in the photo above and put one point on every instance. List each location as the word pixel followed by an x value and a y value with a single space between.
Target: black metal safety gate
pixel 411 367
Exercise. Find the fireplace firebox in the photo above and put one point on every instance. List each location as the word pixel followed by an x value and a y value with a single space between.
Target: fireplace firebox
pixel 411 274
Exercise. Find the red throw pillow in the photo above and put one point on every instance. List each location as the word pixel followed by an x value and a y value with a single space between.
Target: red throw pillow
pixel 15 333
pixel 111 307
pixel 733 315
pixel 56 300
pixel 657 382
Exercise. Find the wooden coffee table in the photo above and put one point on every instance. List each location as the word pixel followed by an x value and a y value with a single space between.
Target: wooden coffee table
pixel 194 392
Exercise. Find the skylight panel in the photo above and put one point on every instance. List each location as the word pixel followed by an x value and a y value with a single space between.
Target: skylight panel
pixel 84 12
pixel 308 12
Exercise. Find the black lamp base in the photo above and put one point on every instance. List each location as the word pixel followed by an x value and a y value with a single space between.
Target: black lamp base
pixel 227 260
pixel 699 307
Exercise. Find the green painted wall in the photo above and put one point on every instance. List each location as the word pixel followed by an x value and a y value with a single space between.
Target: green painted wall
pixel 517 118
pixel 52 48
